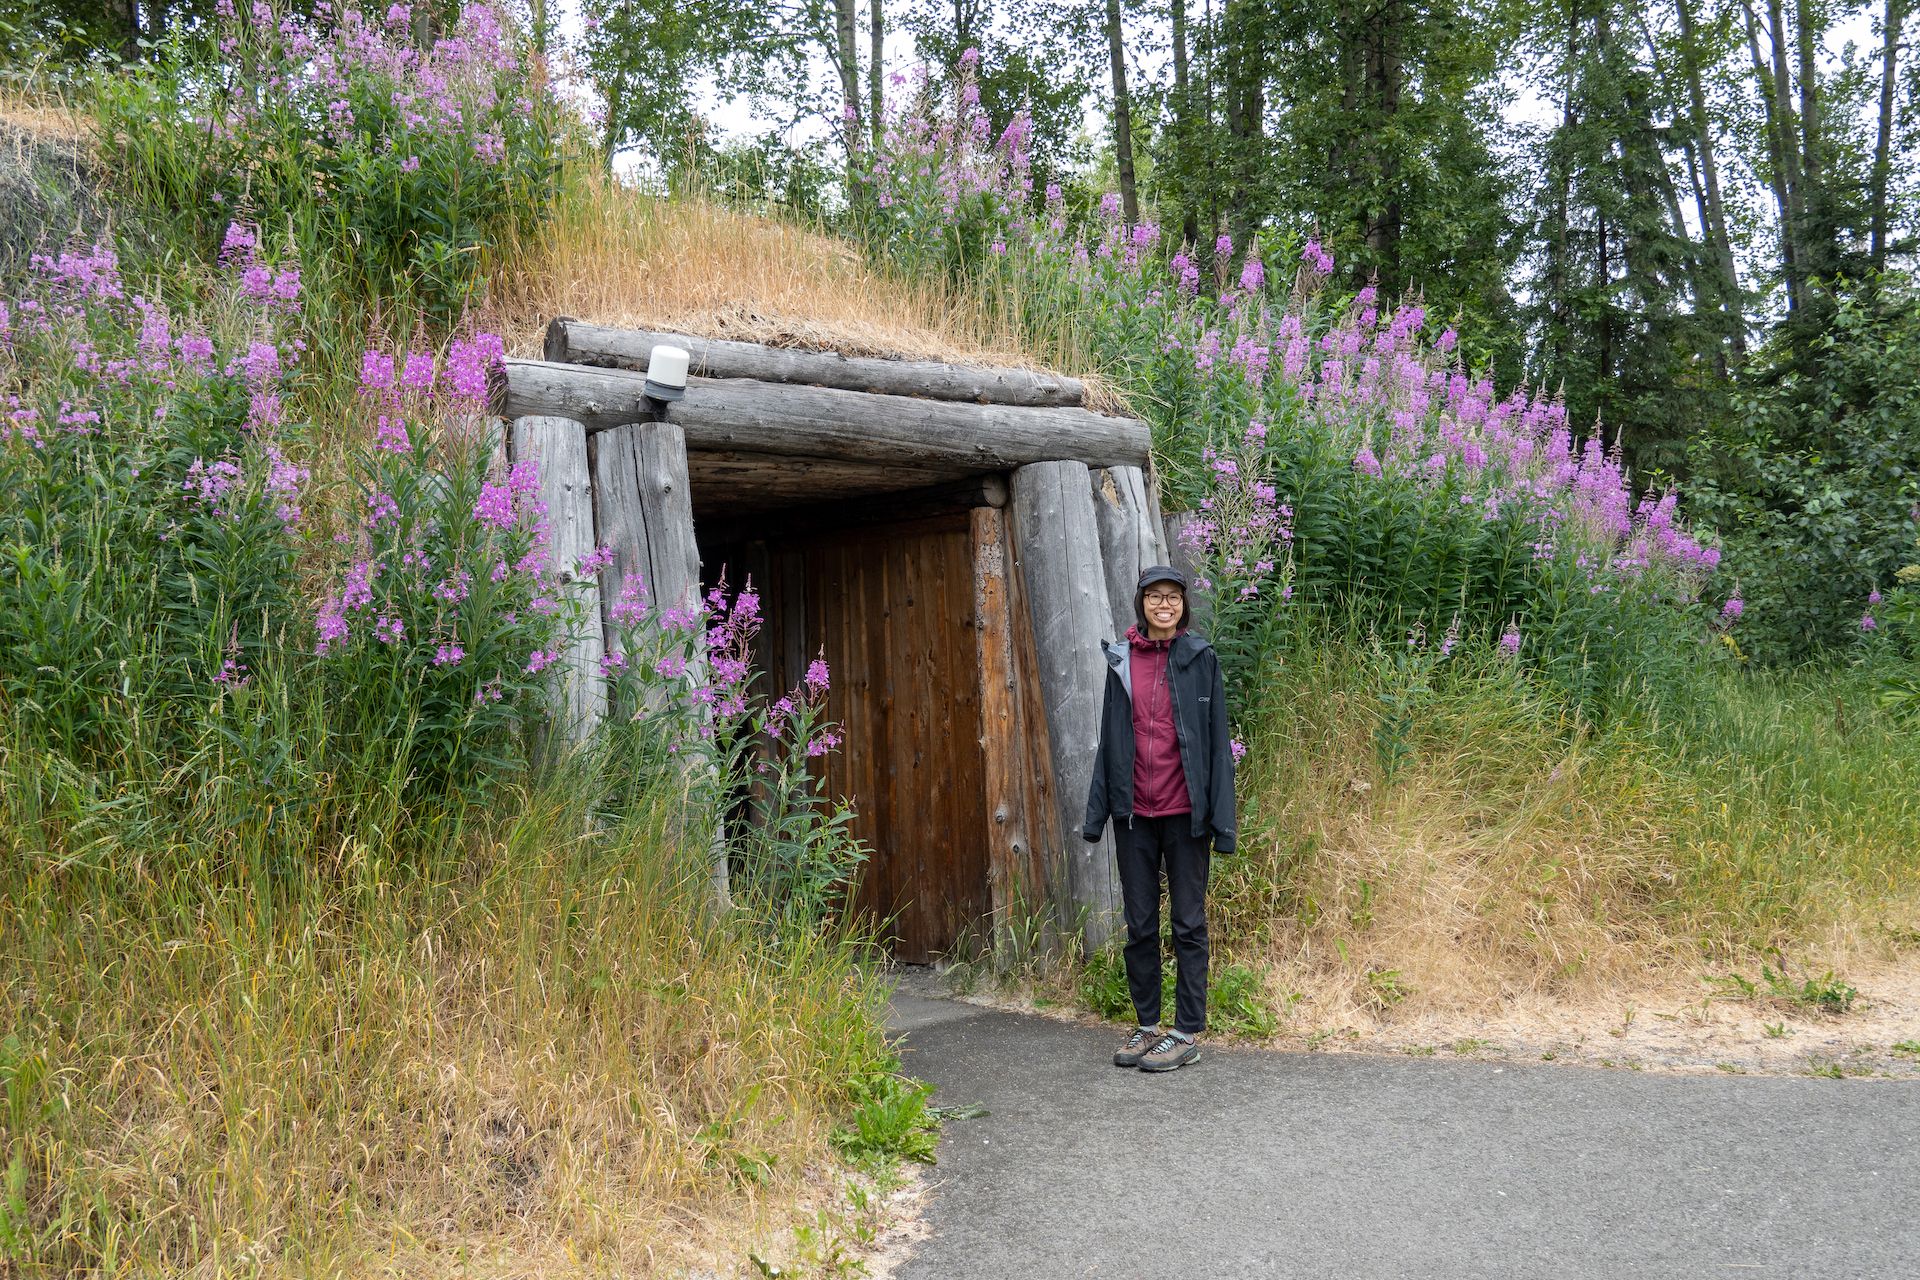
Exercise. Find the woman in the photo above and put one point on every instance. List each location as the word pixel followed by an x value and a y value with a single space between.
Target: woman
pixel 1164 774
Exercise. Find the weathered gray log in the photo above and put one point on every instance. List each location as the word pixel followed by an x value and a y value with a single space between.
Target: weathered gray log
pixel 644 513
pixel 559 448
pixel 1013 740
pixel 1057 545
pixel 600 398
pixel 643 510
pixel 1130 537
pixel 577 342
pixel 749 416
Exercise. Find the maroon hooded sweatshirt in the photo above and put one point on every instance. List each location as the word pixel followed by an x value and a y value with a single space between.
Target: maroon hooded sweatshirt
pixel 1159 783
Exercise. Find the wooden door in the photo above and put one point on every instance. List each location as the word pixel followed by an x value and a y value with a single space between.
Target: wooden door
pixel 892 607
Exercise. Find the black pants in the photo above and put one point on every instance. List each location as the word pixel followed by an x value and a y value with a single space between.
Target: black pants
pixel 1147 849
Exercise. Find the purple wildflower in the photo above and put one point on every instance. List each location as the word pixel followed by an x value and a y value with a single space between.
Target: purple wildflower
pixel 495 507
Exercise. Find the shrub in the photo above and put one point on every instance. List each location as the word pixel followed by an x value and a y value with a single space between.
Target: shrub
pixel 400 164
pixel 150 590
pixel 438 637
pixel 1338 454
pixel 1812 480
pixel 153 515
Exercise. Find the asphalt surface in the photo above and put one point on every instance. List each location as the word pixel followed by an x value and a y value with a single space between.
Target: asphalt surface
pixel 1257 1163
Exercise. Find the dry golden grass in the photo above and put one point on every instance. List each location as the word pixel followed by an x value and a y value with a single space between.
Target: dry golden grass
pixel 552 1064
pixel 1521 870
pixel 40 114
pixel 619 257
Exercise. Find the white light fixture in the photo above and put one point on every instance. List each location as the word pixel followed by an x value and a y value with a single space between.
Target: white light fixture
pixel 667 373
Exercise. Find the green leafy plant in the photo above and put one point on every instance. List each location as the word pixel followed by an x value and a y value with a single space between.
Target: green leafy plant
pixel 403 165
pixel 889 1120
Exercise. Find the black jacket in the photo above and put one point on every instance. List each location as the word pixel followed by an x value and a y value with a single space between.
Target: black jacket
pixel 1200 724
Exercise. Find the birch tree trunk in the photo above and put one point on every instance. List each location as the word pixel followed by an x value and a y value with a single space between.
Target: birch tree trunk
pixel 1122 116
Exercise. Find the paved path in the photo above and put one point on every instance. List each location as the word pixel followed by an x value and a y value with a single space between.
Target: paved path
pixel 1255 1163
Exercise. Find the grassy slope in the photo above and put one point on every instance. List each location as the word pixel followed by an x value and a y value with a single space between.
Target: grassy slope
pixel 507 1040
pixel 1518 857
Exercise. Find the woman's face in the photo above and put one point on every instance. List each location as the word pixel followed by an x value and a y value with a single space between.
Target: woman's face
pixel 1165 604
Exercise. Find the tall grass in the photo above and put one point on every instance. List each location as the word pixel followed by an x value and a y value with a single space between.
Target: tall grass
pixel 512 1032
pixel 1448 844
pixel 619 256
pixel 291 992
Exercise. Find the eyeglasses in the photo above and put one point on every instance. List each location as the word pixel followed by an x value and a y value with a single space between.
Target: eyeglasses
pixel 1162 597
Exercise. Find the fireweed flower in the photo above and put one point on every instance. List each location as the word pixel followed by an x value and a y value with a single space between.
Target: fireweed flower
pixel 376 371
pixel 389 630
pixel 594 563
pixel 239 244
pixel 1732 609
pixel 284 480
pixel 211 482
pixel 631 607
pixel 358 591
pixel 391 436
pixel 448 655
pixel 816 679
pixel 330 628
pixel 1510 641
pixel 454 588
pixel 523 478
pixel 1238 748
pixel 495 507
pixel 469 363
pixel 417 373
pixel 1867 623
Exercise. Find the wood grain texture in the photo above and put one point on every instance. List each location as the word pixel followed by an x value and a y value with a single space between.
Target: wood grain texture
pixel 598 398
pixel 1012 730
pixel 558 447
pixel 643 510
pixel 1058 545
pixel 1130 537
pixel 577 342
pixel 730 484
pixel 749 416
pixel 727 525
pixel 891 608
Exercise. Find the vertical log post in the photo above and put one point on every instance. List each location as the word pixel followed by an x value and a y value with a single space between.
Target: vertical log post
pixel 559 448
pixel 1131 541
pixel 1011 735
pixel 1058 547
pixel 644 510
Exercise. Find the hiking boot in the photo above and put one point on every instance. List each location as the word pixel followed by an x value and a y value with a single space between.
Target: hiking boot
pixel 1130 1053
pixel 1170 1051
